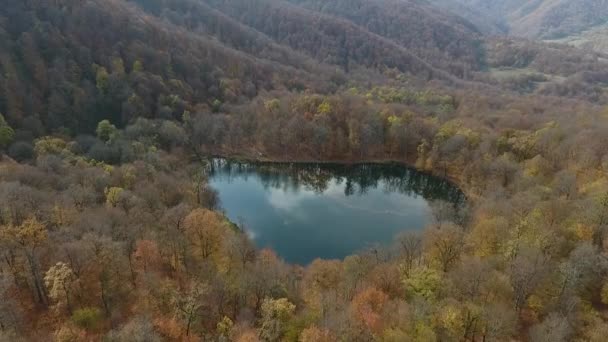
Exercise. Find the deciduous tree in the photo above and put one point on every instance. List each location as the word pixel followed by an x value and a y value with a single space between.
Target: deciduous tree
pixel 59 280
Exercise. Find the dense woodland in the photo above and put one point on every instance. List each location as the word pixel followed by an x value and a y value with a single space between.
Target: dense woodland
pixel 109 231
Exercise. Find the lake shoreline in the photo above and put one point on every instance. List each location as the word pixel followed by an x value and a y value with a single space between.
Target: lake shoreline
pixel 251 157
pixel 326 210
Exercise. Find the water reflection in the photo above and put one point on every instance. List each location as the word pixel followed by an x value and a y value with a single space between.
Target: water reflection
pixel 358 179
pixel 305 211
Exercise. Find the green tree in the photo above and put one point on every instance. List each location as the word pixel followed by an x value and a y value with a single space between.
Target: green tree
pixel 113 196
pixel 224 328
pixel 49 145
pixel 138 66
pixel 422 282
pixel 106 130
pixel 102 79
pixel 7 134
pixel 216 105
pixel 275 313
pixel 118 66
pixel 87 318
pixel 188 304
pixel 272 106
pixel 325 108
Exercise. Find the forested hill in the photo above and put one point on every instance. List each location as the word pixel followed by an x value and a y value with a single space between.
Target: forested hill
pixel 158 58
pixel 67 64
pixel 110 231
pixel 444 40
pixel 279 25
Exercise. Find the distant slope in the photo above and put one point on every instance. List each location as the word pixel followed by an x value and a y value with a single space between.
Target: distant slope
pixel 594 39
pixel 326 39
pixel 539 19
pixel 440 38
pixel 549 69
pixel 558 18
pixel 487 20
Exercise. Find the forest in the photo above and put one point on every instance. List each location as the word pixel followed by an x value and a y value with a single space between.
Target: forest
pixel 112 109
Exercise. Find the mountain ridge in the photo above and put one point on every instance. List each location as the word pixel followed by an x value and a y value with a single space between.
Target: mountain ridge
pixel 159 58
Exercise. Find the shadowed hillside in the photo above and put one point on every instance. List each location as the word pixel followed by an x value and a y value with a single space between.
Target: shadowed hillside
pixel 157 58
pixel 75 74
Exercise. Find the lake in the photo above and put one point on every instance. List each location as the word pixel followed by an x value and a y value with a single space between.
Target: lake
pixel 328 211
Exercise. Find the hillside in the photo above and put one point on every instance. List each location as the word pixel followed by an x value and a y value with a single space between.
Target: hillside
pixel 557 18
pixel 177 55
pixel 485 16
pixel 539 19
pixel 157 58
pixel 332 40
pixel 549 69
pixel 75 74
pixel 112 113
pixel 593 39
pixel 442 39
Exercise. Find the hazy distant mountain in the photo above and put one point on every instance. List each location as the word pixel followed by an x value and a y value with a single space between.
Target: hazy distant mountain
pixel 594 39
pixel 486 18
pixel 540 19
pixel 557 18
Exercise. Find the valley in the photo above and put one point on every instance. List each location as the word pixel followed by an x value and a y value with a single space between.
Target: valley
pixel 295 170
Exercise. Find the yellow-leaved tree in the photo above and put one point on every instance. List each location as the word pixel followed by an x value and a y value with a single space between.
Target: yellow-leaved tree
pixel 59 280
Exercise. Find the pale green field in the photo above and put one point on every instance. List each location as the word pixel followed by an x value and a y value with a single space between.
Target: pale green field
pixel 595 39
pixel 503 74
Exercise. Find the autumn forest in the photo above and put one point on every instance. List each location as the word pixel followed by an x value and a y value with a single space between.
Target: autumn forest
pixel 110 111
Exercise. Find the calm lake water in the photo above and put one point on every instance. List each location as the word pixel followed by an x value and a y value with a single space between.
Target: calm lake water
pixel 309 211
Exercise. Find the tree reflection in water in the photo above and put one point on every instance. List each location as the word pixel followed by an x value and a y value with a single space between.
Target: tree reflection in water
pixel 358 178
